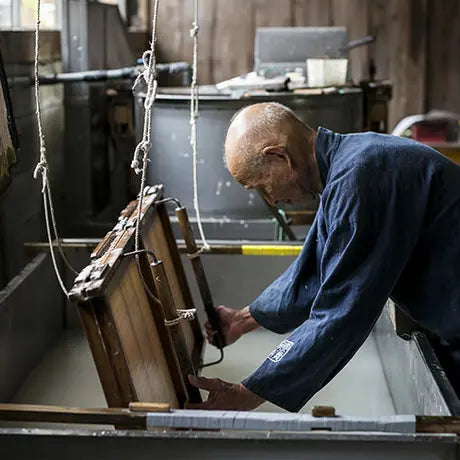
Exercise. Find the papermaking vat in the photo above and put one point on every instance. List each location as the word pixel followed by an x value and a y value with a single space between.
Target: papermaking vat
pixel 219 195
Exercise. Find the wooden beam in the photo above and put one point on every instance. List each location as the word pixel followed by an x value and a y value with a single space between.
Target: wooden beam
pixel 437 424
pixel 60 414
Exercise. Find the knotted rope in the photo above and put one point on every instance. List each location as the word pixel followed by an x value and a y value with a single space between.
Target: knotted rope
pixel 149 75
pixel 42 169
pixel 194 114
pixel 182 315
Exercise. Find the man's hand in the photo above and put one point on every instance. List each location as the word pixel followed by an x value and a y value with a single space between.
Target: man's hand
pixel 234 324
pixel 224 395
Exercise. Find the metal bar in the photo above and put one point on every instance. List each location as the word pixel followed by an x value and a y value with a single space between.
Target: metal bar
pixel 200 275
pixel 170 313
pixel 301 217
pixel 260 421
pixel 253 248
pixel 280 219
pixel 123 73
pixel 77 443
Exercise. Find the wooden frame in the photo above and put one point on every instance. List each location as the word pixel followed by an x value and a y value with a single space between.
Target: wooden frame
pixel 123 309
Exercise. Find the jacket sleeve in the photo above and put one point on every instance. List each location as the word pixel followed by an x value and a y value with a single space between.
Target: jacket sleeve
pixel 286 303
pixel 363 257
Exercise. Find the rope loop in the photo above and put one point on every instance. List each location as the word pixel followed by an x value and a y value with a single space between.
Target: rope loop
pixel 41 168
pixel 182 315
pixel 142 148
pixel 194 30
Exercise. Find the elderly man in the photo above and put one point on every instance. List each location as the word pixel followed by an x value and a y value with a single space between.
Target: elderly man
pixel 388 225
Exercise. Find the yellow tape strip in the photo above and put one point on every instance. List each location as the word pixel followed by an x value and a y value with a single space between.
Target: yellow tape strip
pixel 270 250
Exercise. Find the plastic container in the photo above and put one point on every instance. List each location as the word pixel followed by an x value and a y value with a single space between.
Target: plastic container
pixel 326 72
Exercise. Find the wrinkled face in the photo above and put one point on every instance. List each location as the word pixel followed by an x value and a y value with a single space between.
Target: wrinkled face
pixel 275 177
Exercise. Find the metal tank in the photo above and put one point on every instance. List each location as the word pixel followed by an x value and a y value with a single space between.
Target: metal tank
pixel 219 195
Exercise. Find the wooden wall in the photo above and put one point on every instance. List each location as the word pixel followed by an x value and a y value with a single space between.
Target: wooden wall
pixel 418 41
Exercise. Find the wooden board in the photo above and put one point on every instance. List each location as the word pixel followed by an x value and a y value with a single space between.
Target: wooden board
pixel 139 339
pixel 158 237
pixel 137 356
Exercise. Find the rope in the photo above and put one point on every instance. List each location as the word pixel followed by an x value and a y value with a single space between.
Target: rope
pixel 194 113
pixel 142 149
pixel 43 169
pixel 182 315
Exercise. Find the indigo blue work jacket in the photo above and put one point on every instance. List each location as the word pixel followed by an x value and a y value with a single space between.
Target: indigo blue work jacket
pixel 388 225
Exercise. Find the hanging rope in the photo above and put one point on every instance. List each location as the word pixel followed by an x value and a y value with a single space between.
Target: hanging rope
pixel 43 169
pixel 194 113
pixel 142 149
pixel 149 75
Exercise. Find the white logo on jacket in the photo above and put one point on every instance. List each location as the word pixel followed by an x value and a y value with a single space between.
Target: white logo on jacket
pixel 280 351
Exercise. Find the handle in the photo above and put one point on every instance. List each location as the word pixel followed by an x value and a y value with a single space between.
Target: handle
pixel 367 40
pixel 203 286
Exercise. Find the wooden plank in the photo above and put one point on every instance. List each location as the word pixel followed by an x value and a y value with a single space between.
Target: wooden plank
pixel 353 14
pixel 164 334
pixel 173 31
pixel 272 13
pixel 206 37
pixel 115 352
pixel 157 236
pixel 233 42
pixel 416 43
pixel 148 407
pixel 138 337
pixel 18 46
pixel 406 38
pixel 437 424
pixel 379 24
pixel 311 13
pixel 60 414
pixel 110 385
pixel 175 328
pixel 443 67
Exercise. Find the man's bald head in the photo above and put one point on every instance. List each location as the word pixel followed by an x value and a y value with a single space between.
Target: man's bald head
pixel 252 129
pixel 269 149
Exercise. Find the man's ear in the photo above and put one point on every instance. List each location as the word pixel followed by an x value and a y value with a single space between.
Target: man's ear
pixel 279 151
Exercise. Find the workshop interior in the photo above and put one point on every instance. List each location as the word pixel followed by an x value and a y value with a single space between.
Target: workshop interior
pixel 122 230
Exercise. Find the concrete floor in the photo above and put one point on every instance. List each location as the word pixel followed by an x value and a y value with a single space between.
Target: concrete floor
pixel 67 376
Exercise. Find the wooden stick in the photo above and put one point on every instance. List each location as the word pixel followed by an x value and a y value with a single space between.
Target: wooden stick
pixel 323 411
pixel 198 269
pixel 59 414
pixel 148 407
pixel 437 424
